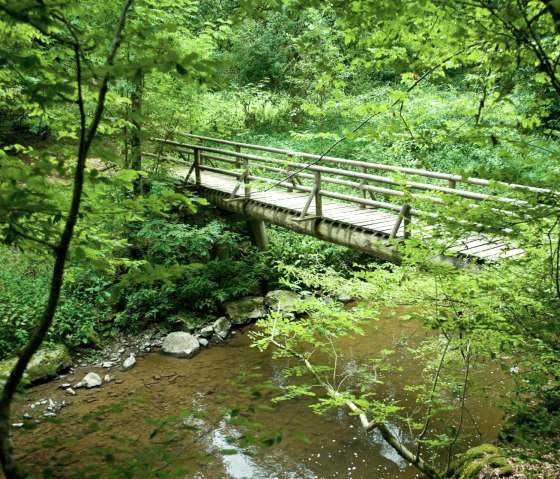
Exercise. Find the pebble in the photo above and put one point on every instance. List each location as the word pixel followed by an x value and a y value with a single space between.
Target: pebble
pixel 107 364
pixel 119 381
pixel 27 416
pixel 129 362
pixel 49 414
pixel 17 424
pixel 65 386
pixel 91 380
pixel 70 391
pixel 108 378
pixel 55 406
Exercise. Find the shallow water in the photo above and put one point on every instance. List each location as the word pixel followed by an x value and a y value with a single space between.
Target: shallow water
pixel 105 432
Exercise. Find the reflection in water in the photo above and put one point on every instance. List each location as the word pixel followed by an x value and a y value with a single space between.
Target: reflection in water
pixel 386 450
pixel 242 465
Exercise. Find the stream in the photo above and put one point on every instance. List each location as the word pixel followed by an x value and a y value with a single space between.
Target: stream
pixel 167 418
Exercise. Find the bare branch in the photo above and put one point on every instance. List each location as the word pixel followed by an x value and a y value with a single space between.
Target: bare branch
pixel 432 393
pixel 462 417
pixel 18 231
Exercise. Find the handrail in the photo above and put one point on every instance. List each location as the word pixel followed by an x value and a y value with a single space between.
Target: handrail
pixel 378 166
pixel 310 179
pixel 353 174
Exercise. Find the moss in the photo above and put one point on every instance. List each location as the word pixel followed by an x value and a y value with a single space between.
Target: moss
pixel 475 460
pixel 506 471
pixel 93 340
pixel 44 365
pixel 496 462
pixel 479 452
pixel 471 469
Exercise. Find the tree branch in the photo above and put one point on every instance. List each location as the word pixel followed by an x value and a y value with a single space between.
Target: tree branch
pixel 19 232
pixel 461 419
pixel 432 393
pixel 368 425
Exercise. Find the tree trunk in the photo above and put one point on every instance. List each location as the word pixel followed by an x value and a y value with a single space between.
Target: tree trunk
pixel 12 468
pixel 136 131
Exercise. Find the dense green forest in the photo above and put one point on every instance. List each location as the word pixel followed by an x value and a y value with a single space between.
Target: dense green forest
pixel 101 240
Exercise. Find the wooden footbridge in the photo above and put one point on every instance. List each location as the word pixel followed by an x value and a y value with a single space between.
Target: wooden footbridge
pixel 316 195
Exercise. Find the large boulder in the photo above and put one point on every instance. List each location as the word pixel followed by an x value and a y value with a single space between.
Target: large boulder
pixel 222 327
pixel 44 365
pixel 282 300
pixel 180 345
pixel 245 310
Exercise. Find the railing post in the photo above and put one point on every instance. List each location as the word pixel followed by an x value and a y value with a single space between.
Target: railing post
pixel 452 184
pixel 246 188
pixel 290 170
pixel 362 184
pixel 238 160
pixel 318 198
pixel 197 162
pixel 404 214
pixel 407 222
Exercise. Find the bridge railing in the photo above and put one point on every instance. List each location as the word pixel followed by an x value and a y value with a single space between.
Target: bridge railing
pixel 307 173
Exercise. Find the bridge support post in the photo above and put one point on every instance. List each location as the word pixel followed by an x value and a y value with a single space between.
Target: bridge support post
pixel 257 232
pixel 318 198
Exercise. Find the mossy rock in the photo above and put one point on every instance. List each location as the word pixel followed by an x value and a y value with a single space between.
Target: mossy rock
pixel 245 310
pixel 186 322
pixel 484 461
pixel 44 365
pixel 282 300
pixel 93 341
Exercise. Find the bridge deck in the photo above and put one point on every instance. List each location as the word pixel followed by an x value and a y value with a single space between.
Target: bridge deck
pixel 379 223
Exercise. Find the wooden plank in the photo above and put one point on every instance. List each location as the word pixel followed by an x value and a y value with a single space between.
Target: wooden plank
pixel 375 220
pixel 514 252
pixel 470 246
pixel 476 251
pixel 492 253
pixel 359 213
